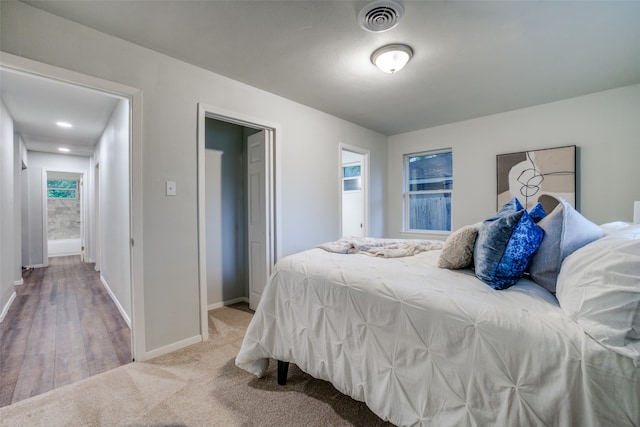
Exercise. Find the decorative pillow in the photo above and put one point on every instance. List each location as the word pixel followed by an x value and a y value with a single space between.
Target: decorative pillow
pixel 537 212
pixel 458 248
pixel 599 287
pixel 504 247
pixel 508 208
pixel 565 231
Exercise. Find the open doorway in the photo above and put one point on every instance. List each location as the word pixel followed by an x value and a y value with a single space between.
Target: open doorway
pixel 28 80
pixel 64 214
pixel 236 203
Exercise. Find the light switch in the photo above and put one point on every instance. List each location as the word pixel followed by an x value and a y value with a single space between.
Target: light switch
pixel 171 188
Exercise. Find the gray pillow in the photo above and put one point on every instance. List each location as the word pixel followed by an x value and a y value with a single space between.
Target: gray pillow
pixel 565 231
pixel 458 249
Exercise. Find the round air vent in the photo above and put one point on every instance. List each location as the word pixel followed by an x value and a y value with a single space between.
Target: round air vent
pixel 381 15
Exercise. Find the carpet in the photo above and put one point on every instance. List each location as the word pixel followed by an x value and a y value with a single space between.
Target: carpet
pixel 195 386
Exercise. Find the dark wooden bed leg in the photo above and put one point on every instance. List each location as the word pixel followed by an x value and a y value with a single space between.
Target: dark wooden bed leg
pixel 283 368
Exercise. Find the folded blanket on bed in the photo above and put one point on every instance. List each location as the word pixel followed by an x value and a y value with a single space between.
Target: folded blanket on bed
pixel 387 248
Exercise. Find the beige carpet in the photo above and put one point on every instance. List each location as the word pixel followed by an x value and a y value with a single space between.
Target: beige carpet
pixel 196 386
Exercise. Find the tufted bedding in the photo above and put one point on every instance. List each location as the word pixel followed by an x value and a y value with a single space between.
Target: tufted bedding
pixel 427 346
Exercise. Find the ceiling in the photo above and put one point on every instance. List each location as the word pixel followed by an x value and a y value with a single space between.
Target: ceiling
pixel 36 104
pixel 472 58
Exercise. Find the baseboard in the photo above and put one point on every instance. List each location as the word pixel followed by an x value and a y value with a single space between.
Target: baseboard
pixel 117 303
pixel 36 266
pixel 173 347
pixel 65 254
pixel 6 307
pixel 225 303
pixel 18 282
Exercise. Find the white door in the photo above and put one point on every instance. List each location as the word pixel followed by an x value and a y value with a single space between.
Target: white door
pixel 353 187
pixel 257 215
pixel 352 214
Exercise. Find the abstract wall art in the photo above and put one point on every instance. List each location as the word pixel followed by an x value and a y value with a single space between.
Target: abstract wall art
pixel 538 176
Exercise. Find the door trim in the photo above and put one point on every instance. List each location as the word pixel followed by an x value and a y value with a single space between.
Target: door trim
pixel 134 95
pixel 365 184
pixel 272 202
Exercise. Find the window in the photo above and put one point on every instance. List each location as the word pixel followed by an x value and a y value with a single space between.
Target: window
pixel 62 189
pixel 427 191
pixel 351 178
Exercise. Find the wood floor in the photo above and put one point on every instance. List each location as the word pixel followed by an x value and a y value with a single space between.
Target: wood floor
pixel 62 327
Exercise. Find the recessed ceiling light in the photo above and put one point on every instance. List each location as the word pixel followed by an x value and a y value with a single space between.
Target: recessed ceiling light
pixel 64 124
pixel 63 149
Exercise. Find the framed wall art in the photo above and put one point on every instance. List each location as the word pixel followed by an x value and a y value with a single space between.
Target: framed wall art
pixel 537 176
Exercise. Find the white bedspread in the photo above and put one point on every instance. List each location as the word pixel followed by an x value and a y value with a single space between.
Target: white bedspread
pixel 427 346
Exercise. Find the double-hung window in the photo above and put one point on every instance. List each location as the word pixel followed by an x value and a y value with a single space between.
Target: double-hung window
pixel 428 185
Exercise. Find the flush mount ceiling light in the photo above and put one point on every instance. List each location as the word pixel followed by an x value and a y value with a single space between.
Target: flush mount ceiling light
pixel 64 149
pixel 381 15
pixel 64 124
pixel 392 58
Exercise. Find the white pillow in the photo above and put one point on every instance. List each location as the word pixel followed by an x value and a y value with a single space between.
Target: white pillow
pixel 599 287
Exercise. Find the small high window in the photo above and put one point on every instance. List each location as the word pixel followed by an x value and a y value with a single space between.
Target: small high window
pixel 428 185
pixel 62 189
pixel 351 177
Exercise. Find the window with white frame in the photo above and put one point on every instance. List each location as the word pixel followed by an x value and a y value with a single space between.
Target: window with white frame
pixel 428 186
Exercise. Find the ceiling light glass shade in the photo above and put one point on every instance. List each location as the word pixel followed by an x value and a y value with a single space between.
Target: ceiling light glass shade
pixel 63 149
pixel 392 58
pixel 64 124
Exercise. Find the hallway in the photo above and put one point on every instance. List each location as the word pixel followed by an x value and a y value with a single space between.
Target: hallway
pixel 62 327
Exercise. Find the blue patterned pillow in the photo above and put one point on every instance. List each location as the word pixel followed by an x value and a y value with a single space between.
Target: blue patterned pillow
pixel 504 247
pixel 537 212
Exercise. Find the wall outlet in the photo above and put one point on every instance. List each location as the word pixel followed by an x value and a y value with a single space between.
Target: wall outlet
pixel 171 188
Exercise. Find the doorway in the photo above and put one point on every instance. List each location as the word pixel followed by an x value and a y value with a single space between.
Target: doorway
pixel 129 217
pixel 254 202
pixel 64 213
pixel 353 188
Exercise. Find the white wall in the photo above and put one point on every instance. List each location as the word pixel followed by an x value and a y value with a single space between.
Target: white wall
pixel 18 152
pixel 112 154
pixel 605 127
pixel 6 209
pixel 33 218
pixel 309 190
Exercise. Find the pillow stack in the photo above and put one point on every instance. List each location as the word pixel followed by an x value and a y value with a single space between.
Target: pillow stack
pixel 515 240
pixel 506 244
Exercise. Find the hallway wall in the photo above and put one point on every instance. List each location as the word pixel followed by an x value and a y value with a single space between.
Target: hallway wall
pixel 32 219
pixel 6 210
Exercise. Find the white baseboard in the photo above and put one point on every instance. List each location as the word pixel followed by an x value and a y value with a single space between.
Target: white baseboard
pixel 115 300
pixel 173 347
pixel 5 309
pixel 18 282
pixel 37 266
pixel 225 303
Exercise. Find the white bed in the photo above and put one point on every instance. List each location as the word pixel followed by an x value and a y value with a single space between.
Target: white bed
pixel 422 345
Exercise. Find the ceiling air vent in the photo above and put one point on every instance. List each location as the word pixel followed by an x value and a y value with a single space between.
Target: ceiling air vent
pixel 381 15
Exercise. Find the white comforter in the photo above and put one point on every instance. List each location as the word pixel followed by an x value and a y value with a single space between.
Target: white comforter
pixel 425 346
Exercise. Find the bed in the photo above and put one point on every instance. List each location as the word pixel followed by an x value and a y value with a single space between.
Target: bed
pixel 423 345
